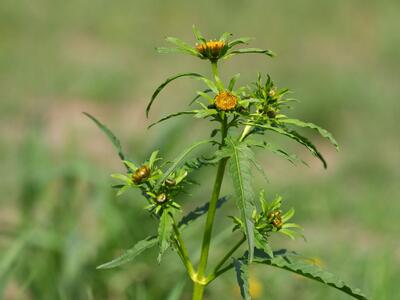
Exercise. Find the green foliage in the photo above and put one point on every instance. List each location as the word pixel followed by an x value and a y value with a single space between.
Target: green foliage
pixel 253 110
pixel 297 264
pixel 240 171
pixel 131 253
pixel 242 276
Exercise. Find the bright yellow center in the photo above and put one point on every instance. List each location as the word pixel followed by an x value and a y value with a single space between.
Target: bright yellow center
pixel 212 48
pixel 225 101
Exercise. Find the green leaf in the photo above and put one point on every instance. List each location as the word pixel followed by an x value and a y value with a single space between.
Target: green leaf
pixel 198 212
pixel 232 82
pixel 172 116
pixel 182 45
pixel 297 264
pixel 167 50
pixel 165 83
pixel 297 137
pixel 114 140
pixel 164 232
pixel 198 96
pixel 242 276
pixel 179 161
pixel 251 50
pixel 240 171
pixel 323 132
pixel 225 36
pixel 198 35
pixel 131 253
pixel 243 40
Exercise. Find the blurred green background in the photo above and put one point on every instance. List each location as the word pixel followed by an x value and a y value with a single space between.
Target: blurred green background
pixel 59 218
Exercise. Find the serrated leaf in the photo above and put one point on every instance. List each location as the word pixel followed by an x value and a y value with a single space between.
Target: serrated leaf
pixel 164 84
pixel 198 96
pixel 131 253
pixel 297 264
pixel 323 132
pixel 114 140
pixel 198 212
pixel 297 137
pixel 240 171
pixel 171 116
pixel 164 232
pixel 242 276
pixel 179 161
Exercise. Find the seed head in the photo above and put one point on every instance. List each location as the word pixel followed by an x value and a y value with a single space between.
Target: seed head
pixel 225 101
pixel 141 174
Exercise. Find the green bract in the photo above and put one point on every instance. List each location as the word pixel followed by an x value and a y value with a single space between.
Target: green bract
pixel 245 116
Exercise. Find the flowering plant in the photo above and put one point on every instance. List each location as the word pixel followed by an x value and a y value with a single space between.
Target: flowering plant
pixel 244 116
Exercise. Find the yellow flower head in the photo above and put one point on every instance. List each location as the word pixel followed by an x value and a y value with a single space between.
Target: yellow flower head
pixel 211 49
pixel 225 101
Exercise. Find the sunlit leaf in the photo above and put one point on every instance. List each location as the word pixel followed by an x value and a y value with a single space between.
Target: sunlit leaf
pixel 131 253
pixel 297 264
pixel 321 131
pixel 240 171
pixel 165 83
pixel 114 140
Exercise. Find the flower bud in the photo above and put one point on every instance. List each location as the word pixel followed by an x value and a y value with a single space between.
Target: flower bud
pixel 141 174
pixel 161 198
pixel 225 101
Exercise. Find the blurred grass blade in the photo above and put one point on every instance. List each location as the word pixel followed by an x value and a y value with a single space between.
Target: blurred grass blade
pixel 297 264
pixel 165 83
pixel 131 253
pixel 323 132
pixel 114 140
pixel 198 212
pixel 179 161
pixel 177 291
pixel 240 171
pixel 242 276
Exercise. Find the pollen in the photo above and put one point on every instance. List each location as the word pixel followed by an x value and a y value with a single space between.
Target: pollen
pixel 210 49
pixel 225 101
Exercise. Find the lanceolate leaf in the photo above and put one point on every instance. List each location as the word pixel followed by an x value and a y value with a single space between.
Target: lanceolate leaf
pixel 242 276
pixel 164 232
pixel 130 254
pixel 114 140
pixel 198 212
pixel 321 131
pixel 179 161
pixel 251 50
pixel 240 171
pixel 166 82
pixel 172 116
pixel 297 137
pixel 297 264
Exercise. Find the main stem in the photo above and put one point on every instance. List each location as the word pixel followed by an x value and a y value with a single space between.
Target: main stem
pixel 205 247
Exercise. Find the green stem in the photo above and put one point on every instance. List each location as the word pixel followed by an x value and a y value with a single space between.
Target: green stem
pixel 200 281
pixel 225 258
pixel 218 81
pixel 183 253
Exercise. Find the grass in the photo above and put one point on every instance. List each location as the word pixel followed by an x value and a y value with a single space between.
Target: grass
pixel 60 58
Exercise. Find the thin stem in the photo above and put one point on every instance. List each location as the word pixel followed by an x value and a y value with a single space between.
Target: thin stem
pixel 205 248
pixel 218 81
pixel 226 257
pixel 184 254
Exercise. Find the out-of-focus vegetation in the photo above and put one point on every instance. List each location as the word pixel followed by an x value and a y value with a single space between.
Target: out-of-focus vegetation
pixel 59 218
